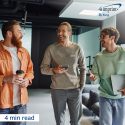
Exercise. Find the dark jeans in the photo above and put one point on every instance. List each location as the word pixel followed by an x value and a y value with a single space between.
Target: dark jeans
pixel 19 109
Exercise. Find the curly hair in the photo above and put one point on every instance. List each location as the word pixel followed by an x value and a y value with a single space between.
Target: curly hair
pixel 111 32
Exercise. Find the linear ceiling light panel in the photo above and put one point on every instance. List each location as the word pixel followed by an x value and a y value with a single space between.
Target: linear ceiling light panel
pixel 92 9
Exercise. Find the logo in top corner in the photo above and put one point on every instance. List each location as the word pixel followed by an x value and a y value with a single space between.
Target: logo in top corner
pixel 105 10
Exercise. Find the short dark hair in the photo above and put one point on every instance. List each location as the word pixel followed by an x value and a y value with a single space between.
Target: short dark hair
pixel 8 26
pixel 111 32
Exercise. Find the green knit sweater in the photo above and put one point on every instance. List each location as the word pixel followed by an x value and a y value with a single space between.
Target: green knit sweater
pixel 105 65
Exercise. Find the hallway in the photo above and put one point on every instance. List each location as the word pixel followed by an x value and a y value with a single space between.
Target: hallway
pixel 40 103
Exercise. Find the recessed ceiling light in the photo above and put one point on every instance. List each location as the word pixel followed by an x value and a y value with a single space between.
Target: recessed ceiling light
pixel 89 12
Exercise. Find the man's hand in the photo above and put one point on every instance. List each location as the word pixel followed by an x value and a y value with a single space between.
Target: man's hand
pixel 15 79
pixel 25 83
pixel 122 91
pixel 59 70
pixel 92 76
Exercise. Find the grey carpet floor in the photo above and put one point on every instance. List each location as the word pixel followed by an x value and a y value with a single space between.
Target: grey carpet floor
pixel 40 103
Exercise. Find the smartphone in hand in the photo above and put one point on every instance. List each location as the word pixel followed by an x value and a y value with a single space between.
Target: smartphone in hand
pixel 65 67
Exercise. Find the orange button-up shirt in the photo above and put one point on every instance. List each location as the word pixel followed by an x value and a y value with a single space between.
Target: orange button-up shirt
pixel 6 69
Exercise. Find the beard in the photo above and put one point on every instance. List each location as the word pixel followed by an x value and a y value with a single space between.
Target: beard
pixel 16 42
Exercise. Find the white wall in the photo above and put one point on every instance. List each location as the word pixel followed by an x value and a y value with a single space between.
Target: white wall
pixel 110 22
pixel 27 39
pixel 27 36
pixel 89 42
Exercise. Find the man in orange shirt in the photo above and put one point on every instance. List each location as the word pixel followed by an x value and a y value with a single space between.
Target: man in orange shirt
pixel 13 57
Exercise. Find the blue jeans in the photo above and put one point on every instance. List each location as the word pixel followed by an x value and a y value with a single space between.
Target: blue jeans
pixel 112 111
pixel 19 109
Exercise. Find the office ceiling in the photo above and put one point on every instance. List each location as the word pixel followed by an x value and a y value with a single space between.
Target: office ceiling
pixel 93 9
pixel 43 13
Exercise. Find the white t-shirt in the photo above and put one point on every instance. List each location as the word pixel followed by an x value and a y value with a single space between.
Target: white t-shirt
pixel 16 66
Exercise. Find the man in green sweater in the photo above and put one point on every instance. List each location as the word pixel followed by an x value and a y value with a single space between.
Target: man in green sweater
pixel 111 61
pixel 64 61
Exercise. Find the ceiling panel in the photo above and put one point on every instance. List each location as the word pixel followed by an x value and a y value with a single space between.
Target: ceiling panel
pixel 44 13
pixel 92 9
